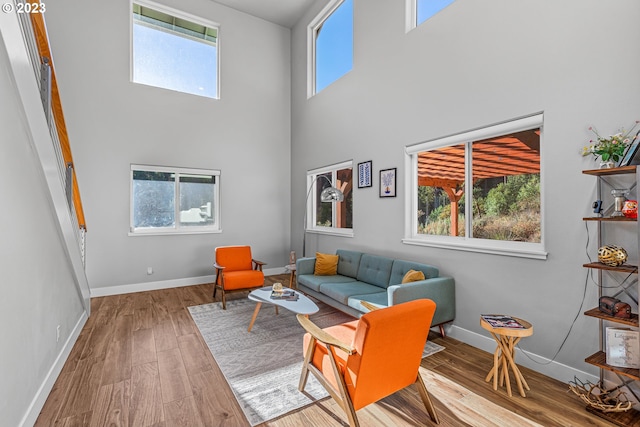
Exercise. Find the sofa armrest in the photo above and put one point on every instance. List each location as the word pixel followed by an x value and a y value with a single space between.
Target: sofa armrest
pixel 439 289
pixel 305 266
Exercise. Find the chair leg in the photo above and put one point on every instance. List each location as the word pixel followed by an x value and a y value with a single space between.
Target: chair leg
pixel 424 394
pixel 224 299
pixel 304 375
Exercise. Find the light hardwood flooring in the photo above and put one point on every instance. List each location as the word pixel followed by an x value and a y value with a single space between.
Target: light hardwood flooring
pixel 140 361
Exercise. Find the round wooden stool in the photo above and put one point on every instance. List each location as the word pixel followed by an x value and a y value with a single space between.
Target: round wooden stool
pixel 506 339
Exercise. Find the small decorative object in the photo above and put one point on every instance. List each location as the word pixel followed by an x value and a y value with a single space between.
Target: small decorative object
pixel 277 287
pixel 364 174
pixel 601 399
pixel 614 307
pixel 630 209
pixel 612 255
pixel 597 207
pixel 619 196
pixel 388 182
pixel 610 149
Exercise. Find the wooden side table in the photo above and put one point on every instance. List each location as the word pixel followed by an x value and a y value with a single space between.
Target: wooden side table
pixel 291 268
pixel 506 340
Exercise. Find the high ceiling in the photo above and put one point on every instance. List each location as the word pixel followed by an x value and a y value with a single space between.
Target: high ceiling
pixel 281 12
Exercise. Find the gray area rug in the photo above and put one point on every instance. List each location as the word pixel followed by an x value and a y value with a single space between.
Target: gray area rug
pixel 263 366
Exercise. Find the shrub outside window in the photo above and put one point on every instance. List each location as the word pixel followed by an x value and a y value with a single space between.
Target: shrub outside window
pixel 330 217
pixel 497 169
pixel 174 200
pixel 173 50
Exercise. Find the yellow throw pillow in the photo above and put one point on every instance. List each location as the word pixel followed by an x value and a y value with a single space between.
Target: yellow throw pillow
pixel 326 264
pixel 413 276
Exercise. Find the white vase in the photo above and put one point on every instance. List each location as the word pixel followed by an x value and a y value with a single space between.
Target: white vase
pixel 608 164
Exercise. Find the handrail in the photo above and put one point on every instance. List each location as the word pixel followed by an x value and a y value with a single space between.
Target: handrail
pixel 42 40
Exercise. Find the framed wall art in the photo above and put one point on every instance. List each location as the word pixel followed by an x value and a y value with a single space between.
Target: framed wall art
pixel 629 157
pixel 388 182
pixel 364 174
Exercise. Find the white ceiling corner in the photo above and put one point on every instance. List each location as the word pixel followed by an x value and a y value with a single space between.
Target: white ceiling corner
pixel 281 12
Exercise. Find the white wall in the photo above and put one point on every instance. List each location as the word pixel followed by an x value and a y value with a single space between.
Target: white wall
pixel 113 123
pixel 38 287
pixel 472 65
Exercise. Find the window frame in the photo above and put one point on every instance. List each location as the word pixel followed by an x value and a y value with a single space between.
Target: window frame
pixel 312 31
pixel 176 228
pixel 411 14
pixel 311 204
pixel 177 14
pixel 465 243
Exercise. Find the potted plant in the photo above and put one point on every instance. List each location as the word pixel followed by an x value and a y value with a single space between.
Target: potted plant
pixel 610 149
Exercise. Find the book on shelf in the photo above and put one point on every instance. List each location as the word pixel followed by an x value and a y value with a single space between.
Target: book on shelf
pixel 285 294
pixel 502 321
pixel 622 348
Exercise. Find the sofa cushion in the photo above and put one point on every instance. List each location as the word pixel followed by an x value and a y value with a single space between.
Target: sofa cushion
pixel 342 291
pixel 413 276
pixel 375 269
pixel 349 262
pixel 400 268
pixel 313 282
pixel 326 264
pixel 379 299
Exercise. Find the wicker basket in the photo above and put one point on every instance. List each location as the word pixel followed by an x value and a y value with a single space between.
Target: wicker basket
pixel 612 255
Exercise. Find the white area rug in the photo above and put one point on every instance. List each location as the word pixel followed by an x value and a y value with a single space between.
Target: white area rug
pixel 263 366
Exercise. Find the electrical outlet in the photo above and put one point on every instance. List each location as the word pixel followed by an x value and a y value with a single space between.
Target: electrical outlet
pixel 57 333
pixel 149 270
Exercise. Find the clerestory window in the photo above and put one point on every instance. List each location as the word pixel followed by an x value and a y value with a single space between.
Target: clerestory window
pixel 479 190
pixel 174 50
pixel 419 11
pixel 331 44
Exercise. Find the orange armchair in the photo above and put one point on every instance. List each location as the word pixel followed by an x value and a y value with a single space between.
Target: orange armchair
pixel 363 361
pixel 236 271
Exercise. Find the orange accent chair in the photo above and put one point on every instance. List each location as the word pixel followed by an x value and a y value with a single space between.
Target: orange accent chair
pixel 236 271
pixel 363 361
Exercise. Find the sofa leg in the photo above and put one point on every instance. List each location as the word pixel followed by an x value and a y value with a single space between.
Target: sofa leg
pixel 442 331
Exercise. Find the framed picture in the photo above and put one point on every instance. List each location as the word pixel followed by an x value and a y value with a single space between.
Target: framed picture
pixel 388 182
pixel 629 155
pixel 364 174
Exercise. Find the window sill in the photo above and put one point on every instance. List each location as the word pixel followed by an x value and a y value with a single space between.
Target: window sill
pixel 341 232
pixel 171 232
pixel 514 249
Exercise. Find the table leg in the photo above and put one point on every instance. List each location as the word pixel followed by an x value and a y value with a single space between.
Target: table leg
pixel 516 371
pixel 255 314
pixel 292 283
pixel 505 368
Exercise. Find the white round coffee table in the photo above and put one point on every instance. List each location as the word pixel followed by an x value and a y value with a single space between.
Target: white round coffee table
pixel 303 305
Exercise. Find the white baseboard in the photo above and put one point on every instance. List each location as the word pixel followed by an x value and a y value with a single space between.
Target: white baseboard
pixel 45 388
pixel 165 284
pixel 532 361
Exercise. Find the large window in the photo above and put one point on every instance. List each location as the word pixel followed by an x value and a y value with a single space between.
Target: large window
pixel 174 200
pixel 331 37
pixel 331 217
pixel 479 190
pixel 174 51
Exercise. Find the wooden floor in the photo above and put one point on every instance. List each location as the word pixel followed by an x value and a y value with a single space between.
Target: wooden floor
pixel 140 361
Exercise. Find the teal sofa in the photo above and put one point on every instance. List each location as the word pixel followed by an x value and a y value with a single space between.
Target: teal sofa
pixel 377 280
